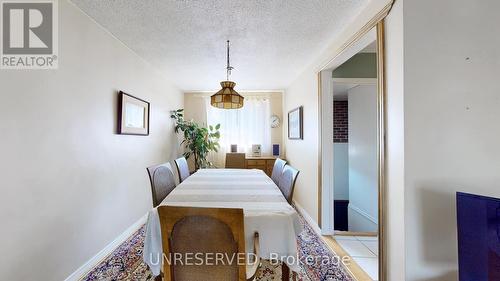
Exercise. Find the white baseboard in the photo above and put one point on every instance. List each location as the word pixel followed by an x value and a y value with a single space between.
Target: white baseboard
pixel 360 221
pixel 363 213
pixel 308 218
pixel 90 264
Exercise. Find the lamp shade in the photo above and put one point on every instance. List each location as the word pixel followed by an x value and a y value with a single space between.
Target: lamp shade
pixel 227 97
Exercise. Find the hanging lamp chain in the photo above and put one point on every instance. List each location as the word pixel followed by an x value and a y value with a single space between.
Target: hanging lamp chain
pixel 229 67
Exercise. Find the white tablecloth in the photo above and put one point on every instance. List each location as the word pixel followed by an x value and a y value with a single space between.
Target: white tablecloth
pixel 265 211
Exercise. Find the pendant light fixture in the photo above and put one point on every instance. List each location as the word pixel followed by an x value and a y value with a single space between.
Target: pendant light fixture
pixel 227 97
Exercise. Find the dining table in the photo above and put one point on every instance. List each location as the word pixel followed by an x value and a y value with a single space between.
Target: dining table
pixel 265 211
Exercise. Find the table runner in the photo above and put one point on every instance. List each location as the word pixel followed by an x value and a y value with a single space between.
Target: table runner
pixel 265 211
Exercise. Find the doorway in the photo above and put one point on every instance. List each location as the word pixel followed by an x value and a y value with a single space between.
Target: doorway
pixel 351 112
pixel 355 151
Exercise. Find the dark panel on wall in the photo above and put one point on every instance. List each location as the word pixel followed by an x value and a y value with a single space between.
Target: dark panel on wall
pixel 340 124
pixel 340 215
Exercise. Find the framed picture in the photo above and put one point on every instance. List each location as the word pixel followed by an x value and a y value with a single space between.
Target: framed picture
pixel 295 124
pixel 133 115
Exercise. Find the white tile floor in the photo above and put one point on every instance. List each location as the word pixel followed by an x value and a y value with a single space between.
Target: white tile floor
pixel 363 250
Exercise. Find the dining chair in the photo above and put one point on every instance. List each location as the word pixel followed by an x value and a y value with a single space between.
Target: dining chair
pixel 206 232
pixel 287 182
pixel 235 161
pixel 279 164
pixel 162 182
pixel 182 168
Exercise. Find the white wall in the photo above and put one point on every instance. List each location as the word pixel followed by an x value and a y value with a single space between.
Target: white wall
pixel 194 108
pixel 452 117
pixel 302 154
pixel 341 171
pixel 363 162
pixel 69 184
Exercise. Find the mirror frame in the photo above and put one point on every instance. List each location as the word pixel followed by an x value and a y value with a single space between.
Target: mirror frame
pixel 376 22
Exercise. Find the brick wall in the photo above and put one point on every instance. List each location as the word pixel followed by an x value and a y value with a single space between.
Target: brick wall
pixel 340 126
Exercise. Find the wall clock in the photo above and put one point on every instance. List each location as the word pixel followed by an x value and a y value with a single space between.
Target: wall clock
pixel 275 121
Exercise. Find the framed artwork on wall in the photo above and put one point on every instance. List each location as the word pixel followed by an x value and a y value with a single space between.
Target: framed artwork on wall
pixel 133 115
pixel 295 124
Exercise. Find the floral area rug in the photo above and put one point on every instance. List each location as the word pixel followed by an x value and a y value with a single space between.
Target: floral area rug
pixel 125 263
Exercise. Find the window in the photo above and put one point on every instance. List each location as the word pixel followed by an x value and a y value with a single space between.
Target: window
pixel 244 127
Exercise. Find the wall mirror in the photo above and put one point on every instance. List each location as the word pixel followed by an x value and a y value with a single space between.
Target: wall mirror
pixel 351 106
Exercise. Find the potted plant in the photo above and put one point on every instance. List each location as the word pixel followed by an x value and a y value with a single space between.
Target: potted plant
pixel 198 140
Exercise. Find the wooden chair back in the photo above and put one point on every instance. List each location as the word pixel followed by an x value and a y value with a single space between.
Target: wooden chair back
pixel 182 168
pixel 206 231
pixel 279 164
pixel 235 161
pixel 287 182
pixel 162 182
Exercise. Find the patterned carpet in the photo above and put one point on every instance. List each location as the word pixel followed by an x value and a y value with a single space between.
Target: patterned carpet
pixel 125 263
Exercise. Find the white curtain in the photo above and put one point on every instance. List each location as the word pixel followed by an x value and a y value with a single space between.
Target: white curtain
pixel 243 127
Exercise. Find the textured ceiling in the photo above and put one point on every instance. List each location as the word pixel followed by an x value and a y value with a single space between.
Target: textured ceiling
pixel 272 41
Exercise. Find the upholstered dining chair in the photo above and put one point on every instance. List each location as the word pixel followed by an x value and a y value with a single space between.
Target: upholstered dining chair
pixel 287 182
pixel 279 164
pixel 206 232
pixel 182 168
pixel 162 182
pixel 235 160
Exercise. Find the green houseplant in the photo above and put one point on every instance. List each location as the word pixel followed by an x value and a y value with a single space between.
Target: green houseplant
pixel 198 140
